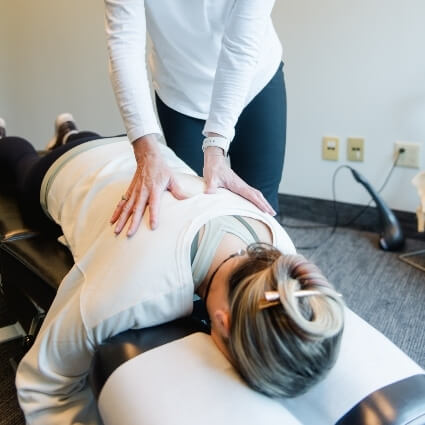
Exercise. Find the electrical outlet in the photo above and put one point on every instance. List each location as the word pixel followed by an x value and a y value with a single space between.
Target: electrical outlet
pixel 410 157
pixel 330 148
pixel 355 149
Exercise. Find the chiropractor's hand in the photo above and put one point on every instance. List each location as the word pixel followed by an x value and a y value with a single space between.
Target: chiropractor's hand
pixel 217 173
pixel 152 177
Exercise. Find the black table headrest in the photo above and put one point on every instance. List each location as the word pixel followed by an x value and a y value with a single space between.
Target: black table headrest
pixel 117 350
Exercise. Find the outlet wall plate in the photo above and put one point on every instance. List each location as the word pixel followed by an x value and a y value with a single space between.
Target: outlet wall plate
pixel 355 149
pixel 330 148
pixel 410 157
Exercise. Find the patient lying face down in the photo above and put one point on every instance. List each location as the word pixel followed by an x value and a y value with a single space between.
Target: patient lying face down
pixel 273 314
pixel 276 318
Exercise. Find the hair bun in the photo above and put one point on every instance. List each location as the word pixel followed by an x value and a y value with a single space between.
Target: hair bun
pixel 308 298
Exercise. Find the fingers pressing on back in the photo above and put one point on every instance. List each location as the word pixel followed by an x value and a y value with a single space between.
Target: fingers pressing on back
pixel 253 195
pixel 154 204
pixel 138 210
pixel 117 211
pixel 125 213
pixel 176 190
pixel 125 199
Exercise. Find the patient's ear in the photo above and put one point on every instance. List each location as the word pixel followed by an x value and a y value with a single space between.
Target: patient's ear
pixel 221 322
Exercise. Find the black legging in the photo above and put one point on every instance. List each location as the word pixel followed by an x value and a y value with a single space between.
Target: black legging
pixel 256 153
pixel 21 165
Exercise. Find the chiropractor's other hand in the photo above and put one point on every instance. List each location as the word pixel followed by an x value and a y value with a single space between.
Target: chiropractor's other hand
pixel 152 177
pixel 217 173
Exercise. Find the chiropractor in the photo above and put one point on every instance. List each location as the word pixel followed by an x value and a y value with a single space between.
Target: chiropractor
pixel 217 73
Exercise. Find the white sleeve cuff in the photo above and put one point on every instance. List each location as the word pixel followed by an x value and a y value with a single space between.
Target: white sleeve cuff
pixel 136 133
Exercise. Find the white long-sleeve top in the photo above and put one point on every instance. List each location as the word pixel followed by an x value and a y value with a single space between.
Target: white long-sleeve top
pixel 209 59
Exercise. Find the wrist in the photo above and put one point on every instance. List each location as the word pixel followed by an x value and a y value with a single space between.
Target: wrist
pixel 213 151
pixel 216 142
pixel 145 145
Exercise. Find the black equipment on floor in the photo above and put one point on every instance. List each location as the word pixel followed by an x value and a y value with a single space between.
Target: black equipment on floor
pixel 391 237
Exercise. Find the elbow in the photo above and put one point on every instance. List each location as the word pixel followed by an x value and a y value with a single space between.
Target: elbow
pixel 245 49
pixel 241 55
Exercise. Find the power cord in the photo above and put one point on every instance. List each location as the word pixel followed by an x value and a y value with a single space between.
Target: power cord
pixel 335 207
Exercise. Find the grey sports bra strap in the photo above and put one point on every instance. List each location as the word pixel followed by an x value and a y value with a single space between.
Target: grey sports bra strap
pixel 248 227
pixel 195 242
pixel 214 231
pixel 194 247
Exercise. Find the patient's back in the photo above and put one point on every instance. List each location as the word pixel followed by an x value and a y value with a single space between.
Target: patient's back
pixel 153 265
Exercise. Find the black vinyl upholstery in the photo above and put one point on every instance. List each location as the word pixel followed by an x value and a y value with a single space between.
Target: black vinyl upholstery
pixel 402 403
pixel 10 216
pixel 32 264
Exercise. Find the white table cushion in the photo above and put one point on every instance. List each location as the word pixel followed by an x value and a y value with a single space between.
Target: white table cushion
pixel 189 381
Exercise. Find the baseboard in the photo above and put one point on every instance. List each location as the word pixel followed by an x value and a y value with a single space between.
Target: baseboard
pixel 322 211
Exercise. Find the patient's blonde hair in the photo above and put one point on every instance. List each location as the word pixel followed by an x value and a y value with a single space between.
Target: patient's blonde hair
pixel 286 343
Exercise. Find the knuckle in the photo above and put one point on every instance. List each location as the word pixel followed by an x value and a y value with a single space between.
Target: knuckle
pixel 127 208
pixel 141 194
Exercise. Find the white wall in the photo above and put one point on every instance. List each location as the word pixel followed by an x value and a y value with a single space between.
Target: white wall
pixel 352 69
pixel 57 51
pixel 4 63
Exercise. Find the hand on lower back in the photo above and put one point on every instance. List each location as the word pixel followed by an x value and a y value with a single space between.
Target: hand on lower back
pixel 217 173
pixel 152 177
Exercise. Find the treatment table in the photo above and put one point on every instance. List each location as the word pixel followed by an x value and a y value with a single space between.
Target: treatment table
pixel 174 374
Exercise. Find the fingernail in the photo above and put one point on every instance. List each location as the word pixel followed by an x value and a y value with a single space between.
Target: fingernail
pixel 154 225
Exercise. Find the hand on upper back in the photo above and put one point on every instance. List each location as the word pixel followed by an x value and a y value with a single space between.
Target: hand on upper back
pixel 217 173
pixel 152 177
